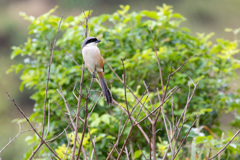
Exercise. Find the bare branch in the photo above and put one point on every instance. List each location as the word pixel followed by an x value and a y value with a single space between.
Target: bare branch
pixel 73 59
pixel 78 112
pixel 86 119
pixel 159 66
pixel 20 132
pixel 42 140
pixel 225 145
pixel 125 93
pixel 185 137
pixel 49 68
pixel 141 151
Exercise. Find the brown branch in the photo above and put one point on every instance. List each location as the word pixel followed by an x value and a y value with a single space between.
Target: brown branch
pixel 94 150
pixel 42 140
pixel 69 124
pixel 225 145
pixel 73 59
pixel 185 109
pixel 78 111
pixel 86 119
pixel 119 135
pixel 69 140
pixel 185 136
pixel 157 107
pixel 125 142
pixel 49 68
pixel 142 152
pixel 125 93
pixel 159 66
pixel 35 151
pixel 20 132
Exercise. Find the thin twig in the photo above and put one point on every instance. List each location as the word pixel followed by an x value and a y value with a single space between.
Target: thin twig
pixel 42 140
pixel 142 152
pixel 86 119
pixel 69 140
pixel 94 150
pixel 125 93
pixel 35 151
pixel 73 59
pixel 185 137
pixel 20 132
pixel 225 145
pixel 49 68
pixel 78 112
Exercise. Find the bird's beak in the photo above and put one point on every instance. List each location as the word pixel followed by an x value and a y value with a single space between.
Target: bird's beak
pixel 98 41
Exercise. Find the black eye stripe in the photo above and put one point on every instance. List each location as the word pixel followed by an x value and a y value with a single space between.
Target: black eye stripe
pixel 91 40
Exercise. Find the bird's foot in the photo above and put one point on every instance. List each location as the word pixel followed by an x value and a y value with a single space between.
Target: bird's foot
pixel 93 75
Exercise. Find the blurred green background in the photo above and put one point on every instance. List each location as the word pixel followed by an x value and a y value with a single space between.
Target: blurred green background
pixel 202 16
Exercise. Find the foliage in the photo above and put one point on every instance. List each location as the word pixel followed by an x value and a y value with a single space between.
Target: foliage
pixel 126 35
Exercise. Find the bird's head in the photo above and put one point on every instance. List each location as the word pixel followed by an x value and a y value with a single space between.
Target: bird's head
pixel 90 41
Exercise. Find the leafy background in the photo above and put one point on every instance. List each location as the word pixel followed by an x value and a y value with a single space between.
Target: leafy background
pixel 201 17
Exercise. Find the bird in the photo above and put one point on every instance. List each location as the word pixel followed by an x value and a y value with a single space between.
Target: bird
pixel 94 62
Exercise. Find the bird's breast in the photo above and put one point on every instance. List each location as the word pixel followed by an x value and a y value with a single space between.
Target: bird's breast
pixel 92 58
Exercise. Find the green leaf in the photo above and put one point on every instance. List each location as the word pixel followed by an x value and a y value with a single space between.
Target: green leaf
pixel 137 154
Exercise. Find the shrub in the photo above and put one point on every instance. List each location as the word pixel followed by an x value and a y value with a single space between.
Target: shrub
pixel 126 35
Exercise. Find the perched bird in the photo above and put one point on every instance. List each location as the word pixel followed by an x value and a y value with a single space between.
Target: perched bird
pixel 94 62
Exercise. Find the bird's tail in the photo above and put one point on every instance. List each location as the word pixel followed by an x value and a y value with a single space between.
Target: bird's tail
pixel 107 94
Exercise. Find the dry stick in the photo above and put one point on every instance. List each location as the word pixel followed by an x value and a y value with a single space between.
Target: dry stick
pixel 67 145
pixel 35 151
pixel 122 82
pixel 87 33
pixel 73 59
pixel 154 123
pixel 135 122
pixel 95 105
pixel 93 142
pixel 86 119
pixel 94 150
pixel 172 112
pixel 49 68
pixel 176 139
pixel 185 109
pixel 127 153
pixel 20 132
pixel 153 127
pixel 42 140
pixel 219 156
pixel 125 93
pixel 48 119
pixel 225 145
pixel 78 111
pixel 168 134
pixel 71 119
pixel 142 152
pixel 159 66
pixel 125 143
pixel 184 121
pixel 64 115
pixel 87 123
pixel 159 107
pixel 164 93
pixel 148 94
pixel 119 136
pixel 185 137
pixel 69 124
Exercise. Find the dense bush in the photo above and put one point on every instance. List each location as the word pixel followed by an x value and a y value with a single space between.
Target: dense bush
pixel 126 35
